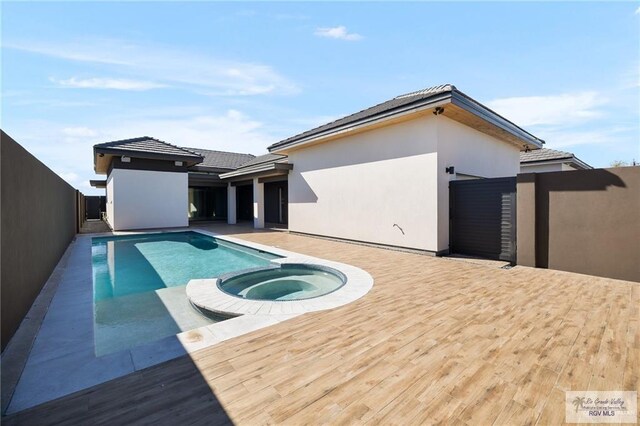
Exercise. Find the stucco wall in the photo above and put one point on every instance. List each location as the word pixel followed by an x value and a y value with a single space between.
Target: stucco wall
pixel 470 152
pixel 37 222
pixel 110 196
pixel 359 186
pixel 586 221
pixel 543 168
pixel 147 199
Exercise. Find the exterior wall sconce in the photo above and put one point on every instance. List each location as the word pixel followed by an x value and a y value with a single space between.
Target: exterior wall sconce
pixel 125 159
pixel 438 110
pixel 450 170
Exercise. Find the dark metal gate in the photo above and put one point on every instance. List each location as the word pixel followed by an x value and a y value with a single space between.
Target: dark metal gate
pixel 483 218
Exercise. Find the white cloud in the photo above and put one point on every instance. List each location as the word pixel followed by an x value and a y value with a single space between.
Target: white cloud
pixel 70 177
pixel 339 32
pixel 562 109
pixel 231 131
pixel 79 132
pixel 568 120
pixel 79 51
pixel 108 83
pixel 560 138
pixel 166 65
pixel 638 11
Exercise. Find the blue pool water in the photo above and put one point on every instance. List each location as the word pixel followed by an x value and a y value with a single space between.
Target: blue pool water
pixel 289 282
pixel 139 283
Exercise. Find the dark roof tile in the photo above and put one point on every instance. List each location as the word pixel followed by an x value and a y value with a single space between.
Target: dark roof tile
pixel 397 102
pixel 148 144
pixel 222 159
pixel 544 154
pixel 266 158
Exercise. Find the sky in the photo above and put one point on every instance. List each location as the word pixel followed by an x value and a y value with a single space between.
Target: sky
pixel 241 76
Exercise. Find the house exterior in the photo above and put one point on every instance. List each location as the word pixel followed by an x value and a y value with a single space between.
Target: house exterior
pixel 550 160
pixel 382 175
pixel 153 184
pixel 378 176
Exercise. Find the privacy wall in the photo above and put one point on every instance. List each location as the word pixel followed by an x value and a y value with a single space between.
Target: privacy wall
pixel 585 221
pixel 141 199
pixel 38 220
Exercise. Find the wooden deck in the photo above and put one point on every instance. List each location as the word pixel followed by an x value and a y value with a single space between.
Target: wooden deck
pixel 435 341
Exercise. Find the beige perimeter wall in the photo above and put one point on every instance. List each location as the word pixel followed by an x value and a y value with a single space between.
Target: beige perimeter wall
pixel 38 220
pixel 585 221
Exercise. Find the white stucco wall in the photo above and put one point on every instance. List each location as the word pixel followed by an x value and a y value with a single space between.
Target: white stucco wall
pixel 359 186
pixel 148 199
pixel 471 152
pixel 109 203
pixel 543 168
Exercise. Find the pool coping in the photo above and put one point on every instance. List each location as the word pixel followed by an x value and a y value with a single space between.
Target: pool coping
pixel 62 360
pixel 206 295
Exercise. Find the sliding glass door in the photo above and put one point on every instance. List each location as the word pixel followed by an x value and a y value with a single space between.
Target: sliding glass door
pixel 207 203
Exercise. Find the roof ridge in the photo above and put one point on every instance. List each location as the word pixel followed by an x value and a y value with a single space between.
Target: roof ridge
pixel 265 160
pixel 434 90
pixel 146 138
pixel 556 150
pixel 217 150
pixel 428 90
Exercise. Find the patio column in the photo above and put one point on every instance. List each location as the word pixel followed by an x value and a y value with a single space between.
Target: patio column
pixel 231 204
pixel 258 204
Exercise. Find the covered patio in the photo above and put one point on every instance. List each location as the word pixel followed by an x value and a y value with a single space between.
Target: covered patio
pixel 257 191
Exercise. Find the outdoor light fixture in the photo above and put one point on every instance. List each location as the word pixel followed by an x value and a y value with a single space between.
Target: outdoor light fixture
pixel 438 110
pixel 125 159
pixel 526 148
pixel 451 170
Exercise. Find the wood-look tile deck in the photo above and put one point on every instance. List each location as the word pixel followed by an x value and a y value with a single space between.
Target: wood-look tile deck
pixel 434 341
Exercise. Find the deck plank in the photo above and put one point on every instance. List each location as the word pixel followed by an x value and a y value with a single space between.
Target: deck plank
pixel 435 341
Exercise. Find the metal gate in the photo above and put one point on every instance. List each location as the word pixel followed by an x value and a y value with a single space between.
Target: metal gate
pixel 483 218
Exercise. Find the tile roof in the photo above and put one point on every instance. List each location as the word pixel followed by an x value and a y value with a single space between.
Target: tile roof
pixel 222 159
pixel 146 144
pixel 544 154
pixel 266 158
pixel 406 102
pixel 397 102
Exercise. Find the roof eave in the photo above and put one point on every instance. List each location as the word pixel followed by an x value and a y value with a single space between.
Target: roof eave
pixel 97 183
pixel 581 163
pixel 437 100
pixel 454 97
pixel 209 169
pixel 257 169
pixel 101 151
pixel 468 104
pixel 148 155
pixel 564 160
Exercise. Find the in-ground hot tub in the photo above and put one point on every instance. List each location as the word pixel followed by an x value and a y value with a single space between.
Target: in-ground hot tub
pixel 290 281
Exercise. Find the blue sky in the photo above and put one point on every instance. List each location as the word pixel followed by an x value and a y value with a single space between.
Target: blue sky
pixel 240 76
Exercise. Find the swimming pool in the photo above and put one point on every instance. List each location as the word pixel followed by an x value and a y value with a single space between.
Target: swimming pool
pixel 139 283
pixel 283 283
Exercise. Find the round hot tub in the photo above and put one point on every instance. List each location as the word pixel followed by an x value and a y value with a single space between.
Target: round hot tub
pixel 287 282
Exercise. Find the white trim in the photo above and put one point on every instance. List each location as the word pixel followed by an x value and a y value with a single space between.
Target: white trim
pixel 205 294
